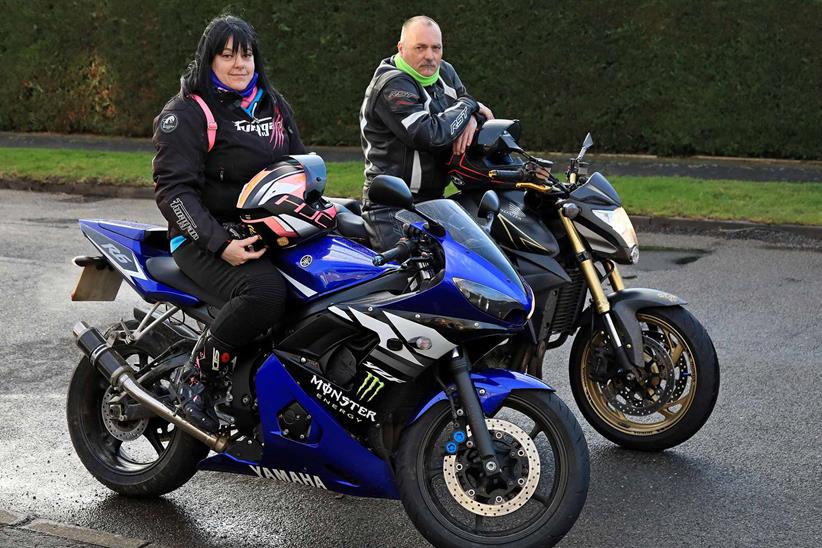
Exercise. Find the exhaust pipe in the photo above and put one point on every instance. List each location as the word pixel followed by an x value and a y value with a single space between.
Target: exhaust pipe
pixel 120 375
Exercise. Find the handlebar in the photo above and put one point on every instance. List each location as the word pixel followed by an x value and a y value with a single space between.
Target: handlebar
pixel 507 175
pixel 399 253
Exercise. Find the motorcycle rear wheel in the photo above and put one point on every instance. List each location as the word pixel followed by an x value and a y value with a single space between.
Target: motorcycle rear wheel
pixel 452 505
pixel 159 458
pixel 685 383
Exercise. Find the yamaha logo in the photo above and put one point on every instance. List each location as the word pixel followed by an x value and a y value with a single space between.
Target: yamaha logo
pixel 306 261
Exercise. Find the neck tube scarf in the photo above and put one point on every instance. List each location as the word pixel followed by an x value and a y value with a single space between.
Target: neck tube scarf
pixel 425 81
pixel 250 88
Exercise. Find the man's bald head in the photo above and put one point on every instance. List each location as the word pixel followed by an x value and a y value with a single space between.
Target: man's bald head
pixel 423 20
pixel 420 44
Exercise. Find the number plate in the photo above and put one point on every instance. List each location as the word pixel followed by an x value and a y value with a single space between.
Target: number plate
pixel 97 284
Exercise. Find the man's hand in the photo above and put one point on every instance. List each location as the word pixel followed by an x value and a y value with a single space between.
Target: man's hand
pixel 465 138
pixel 240 251
pixel 537 173
pixel 485 111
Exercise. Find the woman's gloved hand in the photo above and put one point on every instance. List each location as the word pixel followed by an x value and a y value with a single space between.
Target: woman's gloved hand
pixel 241 251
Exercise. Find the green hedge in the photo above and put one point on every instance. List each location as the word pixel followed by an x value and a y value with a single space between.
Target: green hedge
pixel 733 78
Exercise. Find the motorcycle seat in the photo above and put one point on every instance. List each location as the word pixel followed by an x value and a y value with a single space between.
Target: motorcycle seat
pixel 165 270
pixel 350 225
pixel 350 204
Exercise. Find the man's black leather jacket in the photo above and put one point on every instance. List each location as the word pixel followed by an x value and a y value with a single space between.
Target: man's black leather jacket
pixel 407 129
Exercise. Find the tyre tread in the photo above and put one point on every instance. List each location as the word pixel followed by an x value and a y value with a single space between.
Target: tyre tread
pixel 176 466
pixel 574 499
pixel 708 375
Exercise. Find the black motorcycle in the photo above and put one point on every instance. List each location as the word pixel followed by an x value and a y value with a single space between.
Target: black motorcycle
pixel 643 370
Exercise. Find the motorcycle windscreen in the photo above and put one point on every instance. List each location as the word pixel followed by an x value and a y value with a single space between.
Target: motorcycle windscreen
pixel 465 231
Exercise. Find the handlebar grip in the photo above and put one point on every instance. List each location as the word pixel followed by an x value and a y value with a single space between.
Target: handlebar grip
pixel 399 253
pixel 506 175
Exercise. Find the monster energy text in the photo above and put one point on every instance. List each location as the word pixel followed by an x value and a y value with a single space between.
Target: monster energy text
pixel 339 402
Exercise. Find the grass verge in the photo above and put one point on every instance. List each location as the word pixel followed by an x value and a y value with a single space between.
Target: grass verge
pixel 775 202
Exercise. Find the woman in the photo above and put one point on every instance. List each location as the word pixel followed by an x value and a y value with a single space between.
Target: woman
pixel 197 186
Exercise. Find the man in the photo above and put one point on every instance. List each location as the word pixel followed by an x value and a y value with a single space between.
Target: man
pixel 416 113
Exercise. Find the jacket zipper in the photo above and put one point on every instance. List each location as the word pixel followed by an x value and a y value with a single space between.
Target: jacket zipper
pixel 221 172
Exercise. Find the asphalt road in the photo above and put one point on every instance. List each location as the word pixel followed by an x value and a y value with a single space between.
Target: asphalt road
pixel 751 477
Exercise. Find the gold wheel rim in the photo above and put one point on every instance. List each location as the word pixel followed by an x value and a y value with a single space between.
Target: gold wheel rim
pixel 669 414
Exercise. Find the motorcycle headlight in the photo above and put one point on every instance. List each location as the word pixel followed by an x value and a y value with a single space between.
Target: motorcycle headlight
pixel 487 299
pixel 621 223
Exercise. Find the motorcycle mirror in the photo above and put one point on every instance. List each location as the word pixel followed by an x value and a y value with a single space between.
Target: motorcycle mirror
pixel 488 209
pixel 489 204
pixel 586 144
pixel 390 191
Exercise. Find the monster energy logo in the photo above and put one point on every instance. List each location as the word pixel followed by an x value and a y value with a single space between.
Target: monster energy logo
pixel 371 385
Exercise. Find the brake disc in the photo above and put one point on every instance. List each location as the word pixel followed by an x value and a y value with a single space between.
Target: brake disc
pixel 648 395
pixel 122 430
pixel 681 372
pixel 526 486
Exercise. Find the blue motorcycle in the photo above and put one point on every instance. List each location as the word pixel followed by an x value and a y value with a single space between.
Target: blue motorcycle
pixel 367 389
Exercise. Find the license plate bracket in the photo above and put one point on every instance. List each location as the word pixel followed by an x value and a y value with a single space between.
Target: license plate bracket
pixel 97 282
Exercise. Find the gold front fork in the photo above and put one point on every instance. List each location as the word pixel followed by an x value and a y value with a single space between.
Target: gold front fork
pixel 587 266
pixel 614 276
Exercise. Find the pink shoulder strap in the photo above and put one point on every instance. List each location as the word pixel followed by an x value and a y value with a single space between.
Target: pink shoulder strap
pixel 212 124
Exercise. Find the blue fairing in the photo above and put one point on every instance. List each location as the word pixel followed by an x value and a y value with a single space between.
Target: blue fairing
pixel 327 264
pixel 335 262
pixel 366 474
pixel 445 298
pixel 122 243
pixel 498 383
pixel 328 450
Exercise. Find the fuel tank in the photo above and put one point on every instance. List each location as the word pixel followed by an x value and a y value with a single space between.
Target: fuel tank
pixel 326 264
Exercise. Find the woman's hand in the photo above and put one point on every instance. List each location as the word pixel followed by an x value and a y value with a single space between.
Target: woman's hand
pixel 240 251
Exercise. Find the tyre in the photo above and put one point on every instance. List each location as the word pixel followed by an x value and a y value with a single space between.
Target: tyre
pixel 535 499
pixel 670 403
pixel 142 457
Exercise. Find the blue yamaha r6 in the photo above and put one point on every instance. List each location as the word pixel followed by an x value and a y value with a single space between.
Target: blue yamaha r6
pixel 368 389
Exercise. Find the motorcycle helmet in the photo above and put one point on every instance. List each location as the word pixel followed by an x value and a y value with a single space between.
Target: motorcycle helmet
pixel 284 202
pixel 495 142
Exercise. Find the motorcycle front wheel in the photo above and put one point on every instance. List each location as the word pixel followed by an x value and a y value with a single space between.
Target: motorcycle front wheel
pixel 143 457
pixel 670 403
pixel 533 502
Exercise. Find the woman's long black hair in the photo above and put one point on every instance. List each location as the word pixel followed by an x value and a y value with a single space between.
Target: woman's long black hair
pixel 197 78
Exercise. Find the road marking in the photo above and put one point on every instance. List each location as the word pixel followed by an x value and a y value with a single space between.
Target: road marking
pixel 81 534
pixel 15 397
pixel 11 518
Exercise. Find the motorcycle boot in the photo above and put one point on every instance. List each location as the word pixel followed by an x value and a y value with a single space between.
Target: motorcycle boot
pixel 202 380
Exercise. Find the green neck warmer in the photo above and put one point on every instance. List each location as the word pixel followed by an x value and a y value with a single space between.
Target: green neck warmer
pixel 424 81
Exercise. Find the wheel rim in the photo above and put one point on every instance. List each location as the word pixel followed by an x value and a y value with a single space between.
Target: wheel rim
pixel 670 373
pixel 517 515
pixel 124 448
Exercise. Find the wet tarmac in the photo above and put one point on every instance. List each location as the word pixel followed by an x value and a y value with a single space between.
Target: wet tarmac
pixel 750 477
